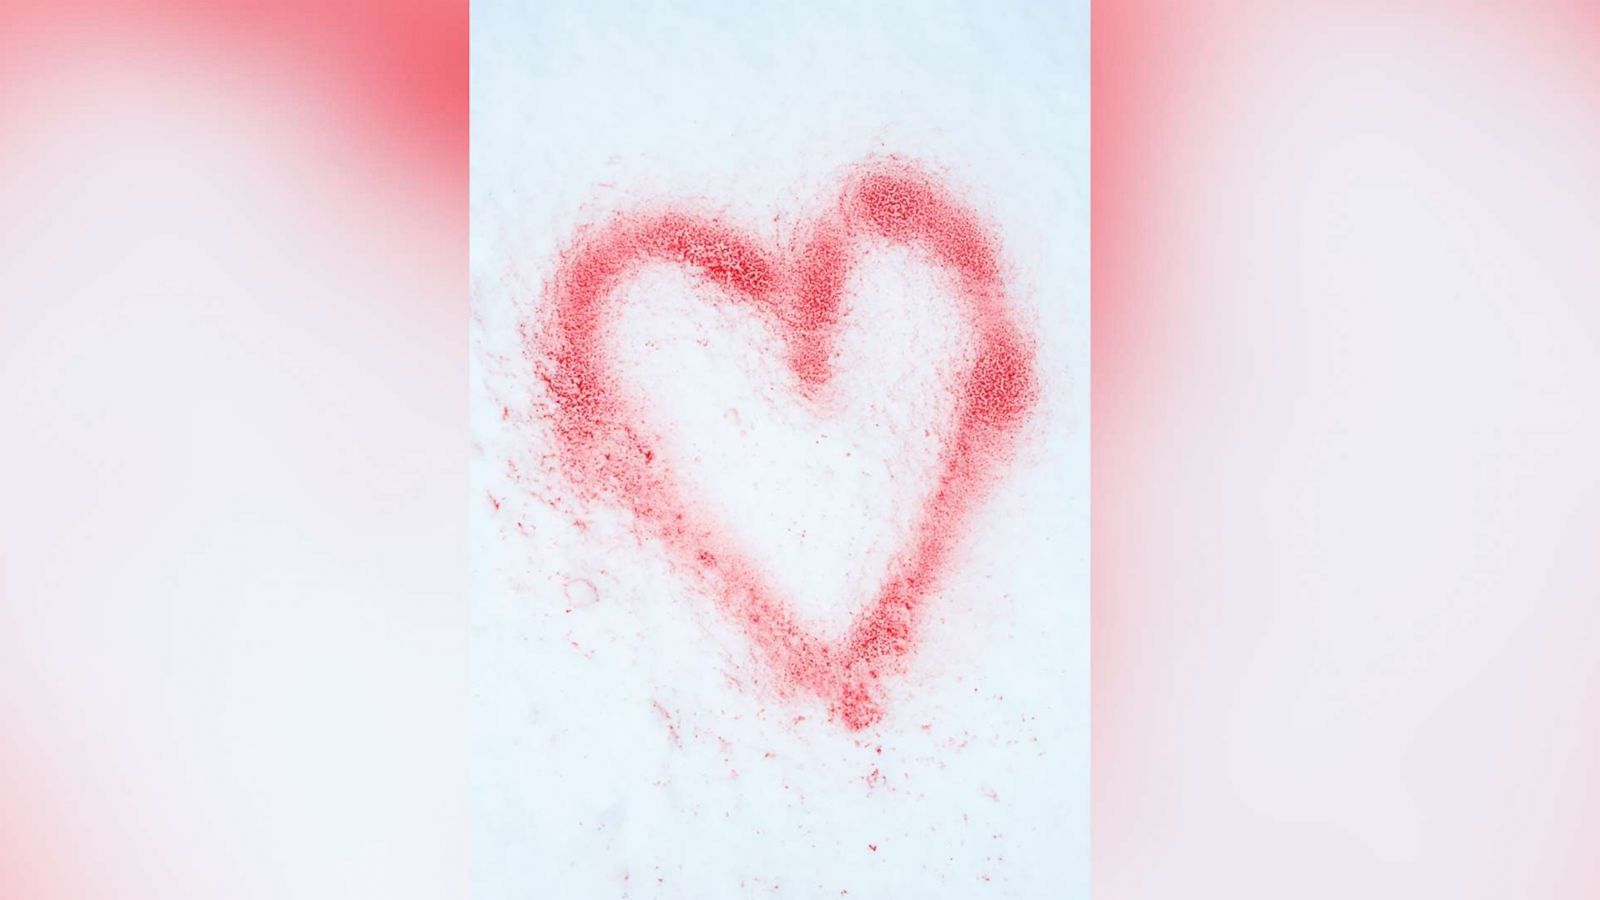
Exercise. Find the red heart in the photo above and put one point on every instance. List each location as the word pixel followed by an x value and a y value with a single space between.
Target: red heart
pixel 798 291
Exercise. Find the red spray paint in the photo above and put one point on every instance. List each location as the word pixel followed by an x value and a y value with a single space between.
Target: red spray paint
pixel 798 290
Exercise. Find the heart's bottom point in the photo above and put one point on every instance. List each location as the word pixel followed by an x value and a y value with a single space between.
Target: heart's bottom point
pixel 856 707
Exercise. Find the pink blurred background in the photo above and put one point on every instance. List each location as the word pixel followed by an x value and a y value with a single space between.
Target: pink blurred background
pixel 1346 307
pixel 232 369
pixel 1346 323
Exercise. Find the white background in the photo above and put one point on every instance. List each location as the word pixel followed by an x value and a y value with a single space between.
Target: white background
pixel 624 743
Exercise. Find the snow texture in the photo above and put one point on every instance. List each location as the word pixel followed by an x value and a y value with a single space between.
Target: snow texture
pixel 627 739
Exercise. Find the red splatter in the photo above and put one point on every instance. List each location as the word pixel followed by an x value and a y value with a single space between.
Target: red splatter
pixel 580 592
pixel 799 291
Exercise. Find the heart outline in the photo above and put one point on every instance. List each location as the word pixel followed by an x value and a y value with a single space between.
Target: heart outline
pixel 799 293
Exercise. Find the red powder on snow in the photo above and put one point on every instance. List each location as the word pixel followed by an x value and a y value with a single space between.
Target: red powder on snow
pixel 799 291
